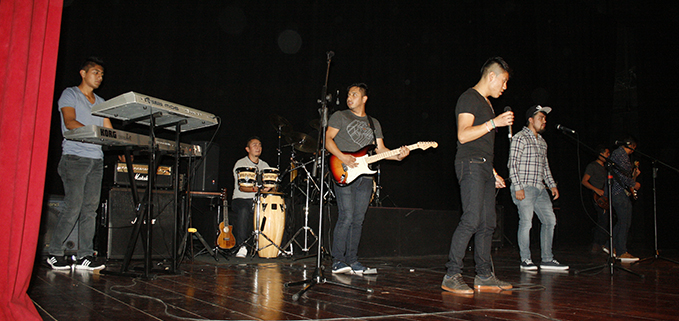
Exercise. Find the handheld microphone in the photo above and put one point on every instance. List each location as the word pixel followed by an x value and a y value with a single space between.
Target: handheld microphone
pixel 565 129
pixel 507 108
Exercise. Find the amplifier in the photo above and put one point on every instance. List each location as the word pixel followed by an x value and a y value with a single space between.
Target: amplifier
pixel 164 175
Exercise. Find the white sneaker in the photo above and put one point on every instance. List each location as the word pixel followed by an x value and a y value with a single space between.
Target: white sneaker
pixel 242 252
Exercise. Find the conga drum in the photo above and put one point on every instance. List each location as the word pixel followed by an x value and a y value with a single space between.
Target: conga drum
pixel 272 207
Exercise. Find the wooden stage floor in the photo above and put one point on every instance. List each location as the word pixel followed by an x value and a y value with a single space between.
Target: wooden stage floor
pixel 405 289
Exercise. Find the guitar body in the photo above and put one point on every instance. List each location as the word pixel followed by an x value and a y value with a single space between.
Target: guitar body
pixel 344 174
pixel 226 240
pixel 601 201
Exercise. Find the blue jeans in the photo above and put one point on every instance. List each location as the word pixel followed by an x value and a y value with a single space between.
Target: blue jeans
pixel 477 189
pixel 352 203
pixel 244 221
pixel 623 210
pixel 81 177
pixel 537 200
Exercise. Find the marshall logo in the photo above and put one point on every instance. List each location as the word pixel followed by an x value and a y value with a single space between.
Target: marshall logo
pixel 163 179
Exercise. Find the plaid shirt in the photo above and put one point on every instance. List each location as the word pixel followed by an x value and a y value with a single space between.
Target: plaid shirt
pixel 621 158
pixel 528 164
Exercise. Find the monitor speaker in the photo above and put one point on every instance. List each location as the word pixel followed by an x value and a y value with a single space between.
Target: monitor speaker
pixel 206 176
pixel 121 219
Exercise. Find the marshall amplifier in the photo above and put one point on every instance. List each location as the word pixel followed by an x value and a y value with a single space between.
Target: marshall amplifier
pixel 164 175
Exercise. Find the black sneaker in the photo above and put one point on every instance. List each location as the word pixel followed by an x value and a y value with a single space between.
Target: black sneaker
pixel 58 263
pixel 490 283
pixel 89 263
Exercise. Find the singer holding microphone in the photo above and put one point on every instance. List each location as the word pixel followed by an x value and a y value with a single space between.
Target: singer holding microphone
pixel 476 127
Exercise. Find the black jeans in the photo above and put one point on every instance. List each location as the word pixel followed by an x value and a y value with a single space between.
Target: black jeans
pixel 477 189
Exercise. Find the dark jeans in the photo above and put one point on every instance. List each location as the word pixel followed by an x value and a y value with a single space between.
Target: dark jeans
pixel 81 177
pixel 623 210
pixel 244 221
pixel 602 218
pixel 477 189
pixel 352 203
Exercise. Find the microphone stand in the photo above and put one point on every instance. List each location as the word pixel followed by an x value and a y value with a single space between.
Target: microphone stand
pixel 317 276
pixel 655 209
pixel 611 260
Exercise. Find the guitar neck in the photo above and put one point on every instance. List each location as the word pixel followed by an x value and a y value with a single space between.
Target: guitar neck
pixel 381 156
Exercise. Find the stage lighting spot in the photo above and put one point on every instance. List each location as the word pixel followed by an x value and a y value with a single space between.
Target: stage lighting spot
pixel 232 20
pixel 289 41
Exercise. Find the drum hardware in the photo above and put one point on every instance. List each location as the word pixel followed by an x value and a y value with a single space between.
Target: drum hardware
pixel 305 246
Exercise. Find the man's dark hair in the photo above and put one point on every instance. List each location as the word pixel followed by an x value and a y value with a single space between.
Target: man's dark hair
pixel 91 62
pixel 600 149
pixel 362 87
pixel 247 142
pixel 495 61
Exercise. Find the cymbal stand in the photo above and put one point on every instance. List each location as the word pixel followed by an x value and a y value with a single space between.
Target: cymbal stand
pixel 317 276
pixel 306 229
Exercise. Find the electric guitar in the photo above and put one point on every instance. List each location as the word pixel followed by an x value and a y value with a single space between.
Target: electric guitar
pixel 631 192
pixel 601 201
pixel 225 240
pixel 344 174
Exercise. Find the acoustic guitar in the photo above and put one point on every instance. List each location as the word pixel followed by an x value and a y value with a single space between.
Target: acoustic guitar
pixel 344 174
pixel 225 240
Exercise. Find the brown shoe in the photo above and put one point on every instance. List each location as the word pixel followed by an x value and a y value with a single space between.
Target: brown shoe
pixel 628 258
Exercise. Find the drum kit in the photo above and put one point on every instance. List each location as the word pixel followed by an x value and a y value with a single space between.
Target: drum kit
pixel 269 201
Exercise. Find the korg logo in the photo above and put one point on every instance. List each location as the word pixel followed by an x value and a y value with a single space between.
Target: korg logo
pixel 106 132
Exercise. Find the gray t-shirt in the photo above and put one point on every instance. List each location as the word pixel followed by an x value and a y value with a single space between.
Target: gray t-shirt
pixel 597 175
pixel 354 132
pixel 245 162
pixel 73 97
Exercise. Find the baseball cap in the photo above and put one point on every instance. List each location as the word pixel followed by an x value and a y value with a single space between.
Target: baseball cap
pixel 535 109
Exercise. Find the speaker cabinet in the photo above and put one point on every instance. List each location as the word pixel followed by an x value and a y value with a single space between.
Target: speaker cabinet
pixel 206 176
pixel 122 218
pixel 52 208
pixel 206 215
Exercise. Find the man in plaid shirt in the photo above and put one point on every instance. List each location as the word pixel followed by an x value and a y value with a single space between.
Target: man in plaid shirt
pixel 529 172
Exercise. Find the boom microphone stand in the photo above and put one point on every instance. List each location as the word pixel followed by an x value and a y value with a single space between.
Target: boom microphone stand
pixel 655 210
pixel 317 277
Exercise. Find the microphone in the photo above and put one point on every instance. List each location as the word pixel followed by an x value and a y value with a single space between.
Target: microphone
pixel 507 108
pixel 330 54
pixel 565 129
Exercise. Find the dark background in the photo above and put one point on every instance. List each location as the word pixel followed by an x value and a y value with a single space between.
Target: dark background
pixel 608 69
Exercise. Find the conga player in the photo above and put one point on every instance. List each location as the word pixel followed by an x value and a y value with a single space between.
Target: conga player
pixel 245 191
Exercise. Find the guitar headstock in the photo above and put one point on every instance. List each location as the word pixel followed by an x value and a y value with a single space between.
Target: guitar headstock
pixel 425 145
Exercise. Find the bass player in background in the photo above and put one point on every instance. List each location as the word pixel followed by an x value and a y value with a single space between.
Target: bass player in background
pixel 348 131
pixel 595 180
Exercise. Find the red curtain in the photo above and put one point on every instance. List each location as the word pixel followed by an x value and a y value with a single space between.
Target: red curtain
pixel 29 41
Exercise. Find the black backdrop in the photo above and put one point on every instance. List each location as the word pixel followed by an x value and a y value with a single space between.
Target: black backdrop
pixel 606 67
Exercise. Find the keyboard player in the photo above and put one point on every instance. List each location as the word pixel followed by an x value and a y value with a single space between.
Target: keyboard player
pixel 81 169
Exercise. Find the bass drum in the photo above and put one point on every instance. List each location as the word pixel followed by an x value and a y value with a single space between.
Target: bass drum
pixel 272 208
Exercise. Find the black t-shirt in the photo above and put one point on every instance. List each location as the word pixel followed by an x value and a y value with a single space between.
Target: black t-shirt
pixel 472 102
pixel 597 174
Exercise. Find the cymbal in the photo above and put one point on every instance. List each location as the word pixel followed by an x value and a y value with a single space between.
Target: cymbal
pixel 280 123
pixel 301 142
pixel 315 124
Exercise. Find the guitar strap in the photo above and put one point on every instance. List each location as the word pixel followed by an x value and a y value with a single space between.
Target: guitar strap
pixel 372 126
